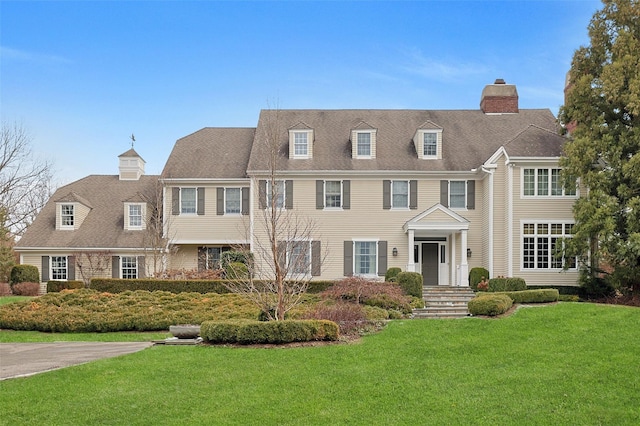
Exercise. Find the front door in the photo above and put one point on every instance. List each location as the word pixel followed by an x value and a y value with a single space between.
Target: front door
pixel 430 264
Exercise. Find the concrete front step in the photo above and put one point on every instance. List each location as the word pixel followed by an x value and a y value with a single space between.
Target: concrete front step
pixel 444 302
pixel 435 313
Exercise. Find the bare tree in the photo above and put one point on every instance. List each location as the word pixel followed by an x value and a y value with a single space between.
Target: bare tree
pixel 284 254
pixel 25 182
pixel 157 236
pixel 92 264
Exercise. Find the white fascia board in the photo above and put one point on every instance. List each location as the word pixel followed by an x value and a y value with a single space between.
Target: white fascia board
pixel 209 242
pixel 204 181
pixel 373 174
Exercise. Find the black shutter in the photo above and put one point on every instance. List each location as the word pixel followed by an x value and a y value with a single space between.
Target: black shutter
pixel 348 258
pixel 346 194
pixel 288 201
pixel 142 272
pixel 200 208
pixel 319 194
pixel 471 194
pixel 316 258
pixel 413 194
pixel 382 258
pixel 444 193
pixel 219 201
pixel 115 267
pixel 71 268
pixel 44 270
pixel 386 194
pixel 262 194
pixel 202 259
pixel 245 201
pixel 175 201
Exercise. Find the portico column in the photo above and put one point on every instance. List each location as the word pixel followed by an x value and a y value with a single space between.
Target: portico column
pixel 464 266
pixel 411 266
pixel 452 279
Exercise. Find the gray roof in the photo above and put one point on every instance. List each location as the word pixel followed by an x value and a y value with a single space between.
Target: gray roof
pixel 535 141
pixel 130 153
pixel 104 225
pixel 211 153
pixel 470 137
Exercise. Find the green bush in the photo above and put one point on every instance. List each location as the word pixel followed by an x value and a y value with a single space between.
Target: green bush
pixel 391 274
pixel 507 284
pixel 56 286
pixel 319 286
pixel 411 283
pixel 490 304
pixel 234 256
pixel 568 298
pixel 115 285
pixel 595 287
pixel 236 271
pixel 570 290
pixel 24 273
pixel 533 296
pixel 256 332
pixel 476 275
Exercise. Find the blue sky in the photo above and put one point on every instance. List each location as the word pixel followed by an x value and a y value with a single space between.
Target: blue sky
pixel 83 76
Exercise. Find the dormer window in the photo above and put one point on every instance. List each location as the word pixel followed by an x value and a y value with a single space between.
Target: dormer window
pixel 364 144
pixel 428 141
pixel 134 216
pixel 67 216
pixel 430 148
pixel 301 143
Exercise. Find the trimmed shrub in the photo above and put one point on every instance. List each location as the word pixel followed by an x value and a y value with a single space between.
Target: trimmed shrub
pixel 374 293
pixel 24 273
pixel 318 286
pixel 5 289
pixel 277 332
pixel 115 285
pixel 476 275
pixel 507 284
pixel 411 283
pixel 391 274
pixel 234 256
pixel 57 286
pixel 533 296
pixel 236 270
pixel 570 290
pixel 595 287
pixel 568 298
pixel 26 289
pixel 490 304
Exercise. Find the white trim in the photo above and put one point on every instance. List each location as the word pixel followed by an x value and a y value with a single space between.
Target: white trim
pixel 549 196
pixel 408 182
pixel 353 264
pixel 535 235
pixel 490 213
pixel 510 220
pixel 207 242
pixel 324 195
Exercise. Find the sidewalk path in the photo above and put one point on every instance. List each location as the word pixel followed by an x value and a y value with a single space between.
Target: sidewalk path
pixel 26 359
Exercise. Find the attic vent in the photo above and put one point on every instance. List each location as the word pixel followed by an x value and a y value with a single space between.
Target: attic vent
pixel 499 98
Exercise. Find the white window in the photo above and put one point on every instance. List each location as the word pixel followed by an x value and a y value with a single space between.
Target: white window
pixel 543 245
pixel 333 194
pixel 188 197
pixel 59 268
pixel 545 182
pixel 430 146
pixel 135 216
pixel 365 258
pixel 67 216
pixel 458 194
pixel 232 200
pixel 364 144
pixel 299 257
pixel 276 194
pixel 301 144
pixel 129 267
pixel 400 194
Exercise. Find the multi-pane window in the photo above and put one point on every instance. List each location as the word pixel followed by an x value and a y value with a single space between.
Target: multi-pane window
pixel 129 267
pixel 364 144
pixel 365 257
pixel 299 257
pixel 458 194
pixel 300 144
pixel 58 267
pixel 212 257
pixel 400 194
pixel 188 200
pixel 276 194
pixel 545 182
pixel 232 200
pixel 430 147
pixel 67 214
pixel 543 246
pixel 333 194
pixel 135 216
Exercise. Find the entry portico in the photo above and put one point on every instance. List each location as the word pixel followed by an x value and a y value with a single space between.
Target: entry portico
pixel 432 237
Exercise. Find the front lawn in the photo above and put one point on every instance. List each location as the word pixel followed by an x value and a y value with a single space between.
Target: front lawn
pixel 566 363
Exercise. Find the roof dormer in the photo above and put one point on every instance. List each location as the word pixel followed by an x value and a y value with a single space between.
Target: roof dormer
pixel 301 141
pixel 363 141
pixel 428 141
pixel 71 211
pixel 131 165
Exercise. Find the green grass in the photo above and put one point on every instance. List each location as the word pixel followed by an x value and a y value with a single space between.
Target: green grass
pixel 10 299
pixel 563 364
pixel 11 336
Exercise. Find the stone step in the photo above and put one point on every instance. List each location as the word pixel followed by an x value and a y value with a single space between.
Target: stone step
pixel 440 313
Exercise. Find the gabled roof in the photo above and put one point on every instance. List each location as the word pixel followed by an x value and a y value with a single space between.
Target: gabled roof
pixel 72 197
pixel 130 153
pixel 436 217
pixel 469 138
pixel 211 153
pixel 104 225
pixel 534 141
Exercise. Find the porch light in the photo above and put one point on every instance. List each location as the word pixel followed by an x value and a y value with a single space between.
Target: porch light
pixel 394 251
pixel 468 252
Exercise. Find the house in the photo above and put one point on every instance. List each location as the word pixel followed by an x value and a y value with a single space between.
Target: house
pixel 432 191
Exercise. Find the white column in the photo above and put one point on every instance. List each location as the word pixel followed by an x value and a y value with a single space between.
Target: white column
pixel 453 279
pixel 411 266
pixel 464 266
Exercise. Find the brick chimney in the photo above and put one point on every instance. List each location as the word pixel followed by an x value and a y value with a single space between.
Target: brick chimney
pixel 499 98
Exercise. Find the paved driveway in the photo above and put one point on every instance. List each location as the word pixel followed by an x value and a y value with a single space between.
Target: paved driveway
pixel 26 359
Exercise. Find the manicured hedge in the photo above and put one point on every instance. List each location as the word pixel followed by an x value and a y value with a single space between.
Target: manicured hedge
pixel 411 283
pixel 248 332
pixel 391 274
pixel 476 275
pixel 507 284
pixel 533 296
pixel 56 286
pixel 571 290
pixel 115 285
pixel 490 304
pixel 24 273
